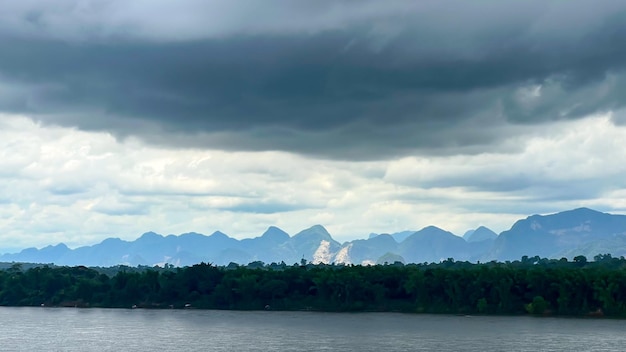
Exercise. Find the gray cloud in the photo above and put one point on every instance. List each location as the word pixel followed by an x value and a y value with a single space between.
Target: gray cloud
pixel 334 79
pixel 264 208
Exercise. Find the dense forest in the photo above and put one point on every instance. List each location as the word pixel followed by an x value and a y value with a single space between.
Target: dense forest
pixel 527 286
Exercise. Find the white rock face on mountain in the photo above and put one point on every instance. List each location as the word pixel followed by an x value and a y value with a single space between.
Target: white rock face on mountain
pixel 322 254
pixel 343 256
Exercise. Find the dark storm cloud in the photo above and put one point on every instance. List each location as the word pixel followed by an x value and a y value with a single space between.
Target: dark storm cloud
pixel 436 77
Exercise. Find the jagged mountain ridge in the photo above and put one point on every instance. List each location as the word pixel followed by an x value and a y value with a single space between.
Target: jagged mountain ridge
pixel 569 233
pixel 557 235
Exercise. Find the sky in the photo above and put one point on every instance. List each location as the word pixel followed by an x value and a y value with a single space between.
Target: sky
pixel 121 117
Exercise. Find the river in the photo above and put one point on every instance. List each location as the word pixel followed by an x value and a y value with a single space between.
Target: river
pixel 71 329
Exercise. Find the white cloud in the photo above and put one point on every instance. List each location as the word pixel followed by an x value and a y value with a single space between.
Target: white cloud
pixel 65 185
pixel 566 164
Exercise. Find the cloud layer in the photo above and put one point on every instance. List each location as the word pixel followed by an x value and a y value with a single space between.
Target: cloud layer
pixel 65 185
pixel 120 117
pixel 328 79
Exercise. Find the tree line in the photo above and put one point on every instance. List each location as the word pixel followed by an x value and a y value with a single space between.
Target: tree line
pixel 531 285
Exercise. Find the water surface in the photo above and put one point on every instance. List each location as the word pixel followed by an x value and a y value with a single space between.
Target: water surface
pixel 69 329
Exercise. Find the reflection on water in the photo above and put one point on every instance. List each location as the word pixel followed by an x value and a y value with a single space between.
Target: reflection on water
pixel 68 329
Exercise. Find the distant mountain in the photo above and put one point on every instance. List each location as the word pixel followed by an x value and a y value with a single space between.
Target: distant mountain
pixel 556 234
pixel 270 247
pixel 479 242
pixel 566 234
pixel 398 236
pixel 480 234
pixel 315 244
pixel 33 255
pixel 432 244
pixel 366 251
pixel 401 236
pixel 390 258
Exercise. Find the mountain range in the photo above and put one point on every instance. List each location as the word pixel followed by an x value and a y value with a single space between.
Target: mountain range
pixel 567 234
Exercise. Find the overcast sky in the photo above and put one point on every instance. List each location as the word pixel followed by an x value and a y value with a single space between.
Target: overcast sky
pixel 119 117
